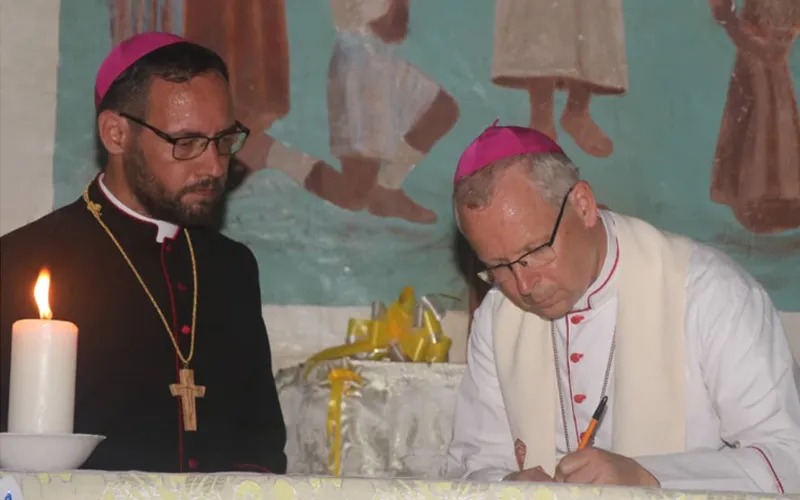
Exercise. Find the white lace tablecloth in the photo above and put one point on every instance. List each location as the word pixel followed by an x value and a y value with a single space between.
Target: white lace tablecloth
pixel 88 485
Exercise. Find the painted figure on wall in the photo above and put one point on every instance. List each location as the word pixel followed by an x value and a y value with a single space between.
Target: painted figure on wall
pixel 384 114
pixel 757 162
pixel 577 46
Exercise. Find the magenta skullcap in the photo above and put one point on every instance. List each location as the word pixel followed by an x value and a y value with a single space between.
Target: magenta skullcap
pixel 496 143
pixel 124 55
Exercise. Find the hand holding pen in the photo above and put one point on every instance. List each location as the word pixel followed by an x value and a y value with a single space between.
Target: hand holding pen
pixel 589 465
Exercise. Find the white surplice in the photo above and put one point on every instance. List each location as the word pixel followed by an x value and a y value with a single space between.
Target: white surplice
pixel 743 404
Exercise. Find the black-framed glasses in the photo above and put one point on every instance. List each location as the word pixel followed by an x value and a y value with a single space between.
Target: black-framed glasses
pixel 187 147
pixel 538 257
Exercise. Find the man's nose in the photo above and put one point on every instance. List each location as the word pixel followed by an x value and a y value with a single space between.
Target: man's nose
pixel 525 278
pixel 213 164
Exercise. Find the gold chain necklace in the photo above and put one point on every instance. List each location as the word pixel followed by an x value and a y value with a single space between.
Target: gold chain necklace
pixel 186 388
pixel 95 209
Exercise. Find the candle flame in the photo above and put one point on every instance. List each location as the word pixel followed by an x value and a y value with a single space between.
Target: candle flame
pixel 41 292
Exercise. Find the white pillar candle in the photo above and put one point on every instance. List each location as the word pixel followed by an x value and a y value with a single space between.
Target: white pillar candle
pixel 42 383
pixel 43 363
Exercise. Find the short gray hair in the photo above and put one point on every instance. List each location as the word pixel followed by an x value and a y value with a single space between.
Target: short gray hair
pixel 553 174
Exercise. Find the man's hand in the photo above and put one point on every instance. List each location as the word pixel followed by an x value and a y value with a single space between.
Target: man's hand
pixel 534 475
pixel 596 466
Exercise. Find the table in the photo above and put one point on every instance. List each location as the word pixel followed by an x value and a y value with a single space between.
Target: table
pixel 94 485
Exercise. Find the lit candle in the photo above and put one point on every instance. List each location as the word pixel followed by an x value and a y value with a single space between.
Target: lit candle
pixel 43 358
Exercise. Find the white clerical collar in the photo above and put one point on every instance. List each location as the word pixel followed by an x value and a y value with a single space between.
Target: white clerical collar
pixel 165 229
pixel 603 286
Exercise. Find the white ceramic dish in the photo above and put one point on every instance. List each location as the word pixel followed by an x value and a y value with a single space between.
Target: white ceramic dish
pixel 45 452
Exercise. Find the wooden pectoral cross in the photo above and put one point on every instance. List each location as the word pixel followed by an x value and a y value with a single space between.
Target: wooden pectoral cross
pixel 187 391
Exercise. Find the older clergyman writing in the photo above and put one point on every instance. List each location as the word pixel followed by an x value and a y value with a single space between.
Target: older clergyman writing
pixel 687 347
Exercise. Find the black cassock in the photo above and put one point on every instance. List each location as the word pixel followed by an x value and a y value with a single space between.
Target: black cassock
pixel 126 361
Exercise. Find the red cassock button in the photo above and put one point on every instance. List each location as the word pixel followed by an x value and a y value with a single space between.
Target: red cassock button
pixel 579 398
pixel 575 357
pixel 576 319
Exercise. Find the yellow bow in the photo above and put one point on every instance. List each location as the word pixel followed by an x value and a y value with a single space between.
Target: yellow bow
pixel 406 331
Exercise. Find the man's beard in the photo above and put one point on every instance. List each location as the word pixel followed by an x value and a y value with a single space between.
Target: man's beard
pixel 163 206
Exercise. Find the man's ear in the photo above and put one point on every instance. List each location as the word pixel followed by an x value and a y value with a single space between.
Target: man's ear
pixel 114 132
pixel 585 204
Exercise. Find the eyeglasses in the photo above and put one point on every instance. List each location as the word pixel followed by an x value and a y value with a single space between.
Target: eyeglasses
pixel 538 257
pixel 188 147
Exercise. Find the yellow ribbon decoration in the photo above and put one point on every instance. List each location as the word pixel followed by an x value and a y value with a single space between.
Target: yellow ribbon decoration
pixel 393 333
pixel 341 380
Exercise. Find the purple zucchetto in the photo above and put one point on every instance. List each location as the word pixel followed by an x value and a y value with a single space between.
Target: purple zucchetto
pixel 498 142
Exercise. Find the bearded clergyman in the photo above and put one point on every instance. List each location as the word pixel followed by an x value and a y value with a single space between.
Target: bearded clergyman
pixel 173 356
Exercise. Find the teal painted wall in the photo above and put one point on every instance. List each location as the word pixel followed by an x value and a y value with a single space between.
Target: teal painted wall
pixel 311 252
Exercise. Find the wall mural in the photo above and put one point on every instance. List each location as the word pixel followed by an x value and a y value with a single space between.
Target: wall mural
pixel 360 108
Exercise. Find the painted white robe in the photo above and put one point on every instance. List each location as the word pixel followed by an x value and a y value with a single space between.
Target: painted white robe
pixel 743 403
pixel 564 40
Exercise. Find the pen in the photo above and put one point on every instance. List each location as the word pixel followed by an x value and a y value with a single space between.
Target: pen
pixel 598 413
